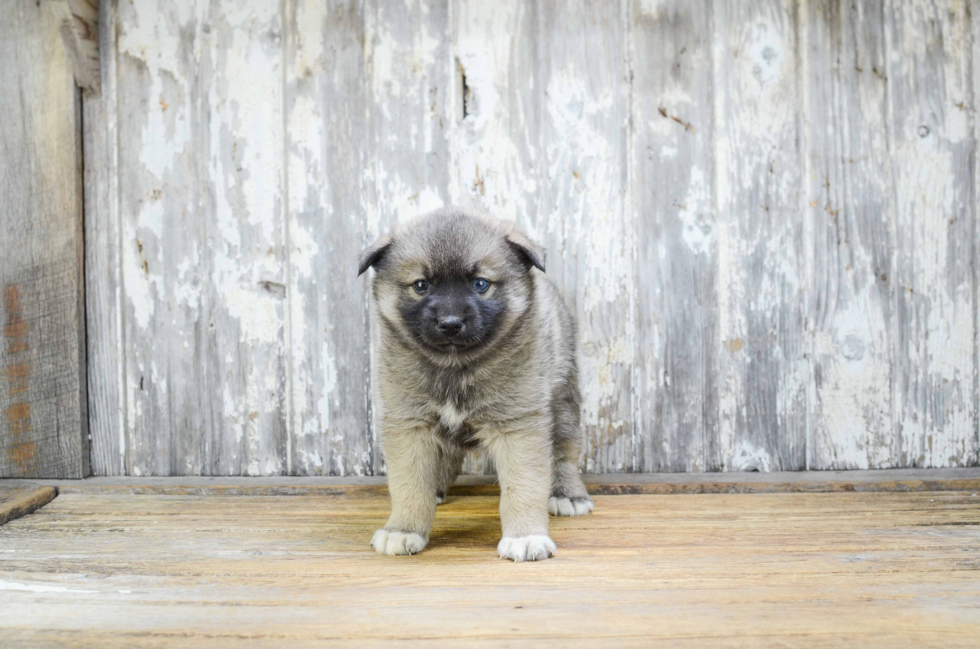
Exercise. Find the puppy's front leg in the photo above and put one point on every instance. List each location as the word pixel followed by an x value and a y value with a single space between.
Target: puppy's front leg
pixel 523 461
pixel 412 456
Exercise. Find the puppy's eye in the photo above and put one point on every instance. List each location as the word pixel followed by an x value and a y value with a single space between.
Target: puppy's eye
pixel 421 286
pixel 481 285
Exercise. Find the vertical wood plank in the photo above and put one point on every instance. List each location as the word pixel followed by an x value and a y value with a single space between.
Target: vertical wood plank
pixel 541 137
pixel 43 424
pixel 677 259
pixel 497 165
pixel 246 237
pixel 328 151
pixel 103 264
pixel 975 62
pixel 161 228
pixel 583 209
pixel 758 200
pixel 931 99
pixel 411 83
pixel 200 100
pixel 849 187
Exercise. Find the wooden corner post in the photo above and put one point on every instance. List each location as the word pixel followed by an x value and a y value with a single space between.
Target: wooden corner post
pixel 42 348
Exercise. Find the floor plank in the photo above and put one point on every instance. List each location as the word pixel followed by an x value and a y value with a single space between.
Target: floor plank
pixel 792 569
pixel 19 498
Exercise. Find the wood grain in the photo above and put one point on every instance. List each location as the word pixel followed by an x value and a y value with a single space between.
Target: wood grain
pixel 202 238
pixel 676 266
pixel 542 138
pixel 21 500
pixel 43 425
pixel 933 155
pixel 328 151
pixel 496 109
pixel 841 569
pixel 106 351
pixel 762 213
pixel 763 369
pixel 850 187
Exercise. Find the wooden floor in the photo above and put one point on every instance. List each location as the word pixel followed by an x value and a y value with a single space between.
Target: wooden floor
pixel 797 569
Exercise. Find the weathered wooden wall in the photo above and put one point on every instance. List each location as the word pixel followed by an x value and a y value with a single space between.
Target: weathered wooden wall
pixel 764 212
pixel 42 346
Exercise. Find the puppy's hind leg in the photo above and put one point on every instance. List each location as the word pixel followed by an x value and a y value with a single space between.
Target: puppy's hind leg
pixel 412 456
pixel 450 462
pixel 568 494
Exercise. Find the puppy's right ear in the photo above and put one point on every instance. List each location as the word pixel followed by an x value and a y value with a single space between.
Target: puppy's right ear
pixel 529 250
pixel 373 254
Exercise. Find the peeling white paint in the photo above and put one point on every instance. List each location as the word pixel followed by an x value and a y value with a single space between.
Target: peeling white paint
pixel 749 458
pixel 40 588
pixel 230 196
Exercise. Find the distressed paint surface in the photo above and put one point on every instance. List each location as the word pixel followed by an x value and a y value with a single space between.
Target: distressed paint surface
pixel 931 96
pixel 771 265
pixel 327 153
pixel 763 369
pixel 201 207
pixel 852 271
pixel 676 265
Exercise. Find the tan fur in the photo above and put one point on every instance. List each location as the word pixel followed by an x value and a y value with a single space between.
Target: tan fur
pixel 516 395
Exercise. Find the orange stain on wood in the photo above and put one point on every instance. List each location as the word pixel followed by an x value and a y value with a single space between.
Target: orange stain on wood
pixel 17 377
pixel 22 454
pixel 15 329
pixel 17 416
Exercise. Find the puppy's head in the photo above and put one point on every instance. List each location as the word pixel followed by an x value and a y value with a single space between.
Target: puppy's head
pixel 451 284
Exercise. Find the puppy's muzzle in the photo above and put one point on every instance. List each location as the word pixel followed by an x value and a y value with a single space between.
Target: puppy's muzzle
pixel 451 326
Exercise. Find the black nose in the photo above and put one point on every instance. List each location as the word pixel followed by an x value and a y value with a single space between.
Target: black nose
pixel 450 326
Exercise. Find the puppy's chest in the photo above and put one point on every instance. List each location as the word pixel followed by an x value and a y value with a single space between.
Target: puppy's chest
pixel 451 415
pixel 455 405
pixel 456 426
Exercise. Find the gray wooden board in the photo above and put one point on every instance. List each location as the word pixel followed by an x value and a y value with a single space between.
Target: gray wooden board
pixel 933 158
pixel 676 340
pixel 771 266
pixel 763 369
pixel 103 265
pixel 850 190
pixel 325 103
pixel 42 386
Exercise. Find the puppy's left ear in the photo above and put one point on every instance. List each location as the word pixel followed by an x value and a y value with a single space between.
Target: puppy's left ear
pixel 373 254
pixel 530 251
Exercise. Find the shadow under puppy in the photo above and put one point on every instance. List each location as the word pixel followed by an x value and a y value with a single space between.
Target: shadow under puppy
pixel 477 349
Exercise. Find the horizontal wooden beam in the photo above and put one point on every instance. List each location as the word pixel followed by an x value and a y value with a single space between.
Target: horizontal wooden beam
pixel 602 484
pixel 78 22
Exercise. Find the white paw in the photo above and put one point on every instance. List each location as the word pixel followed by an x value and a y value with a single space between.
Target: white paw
pixel 569 506
pixel 526 548
pixel 390 542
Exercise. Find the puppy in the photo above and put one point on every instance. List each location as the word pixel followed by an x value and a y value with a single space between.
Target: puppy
pixel 477 349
